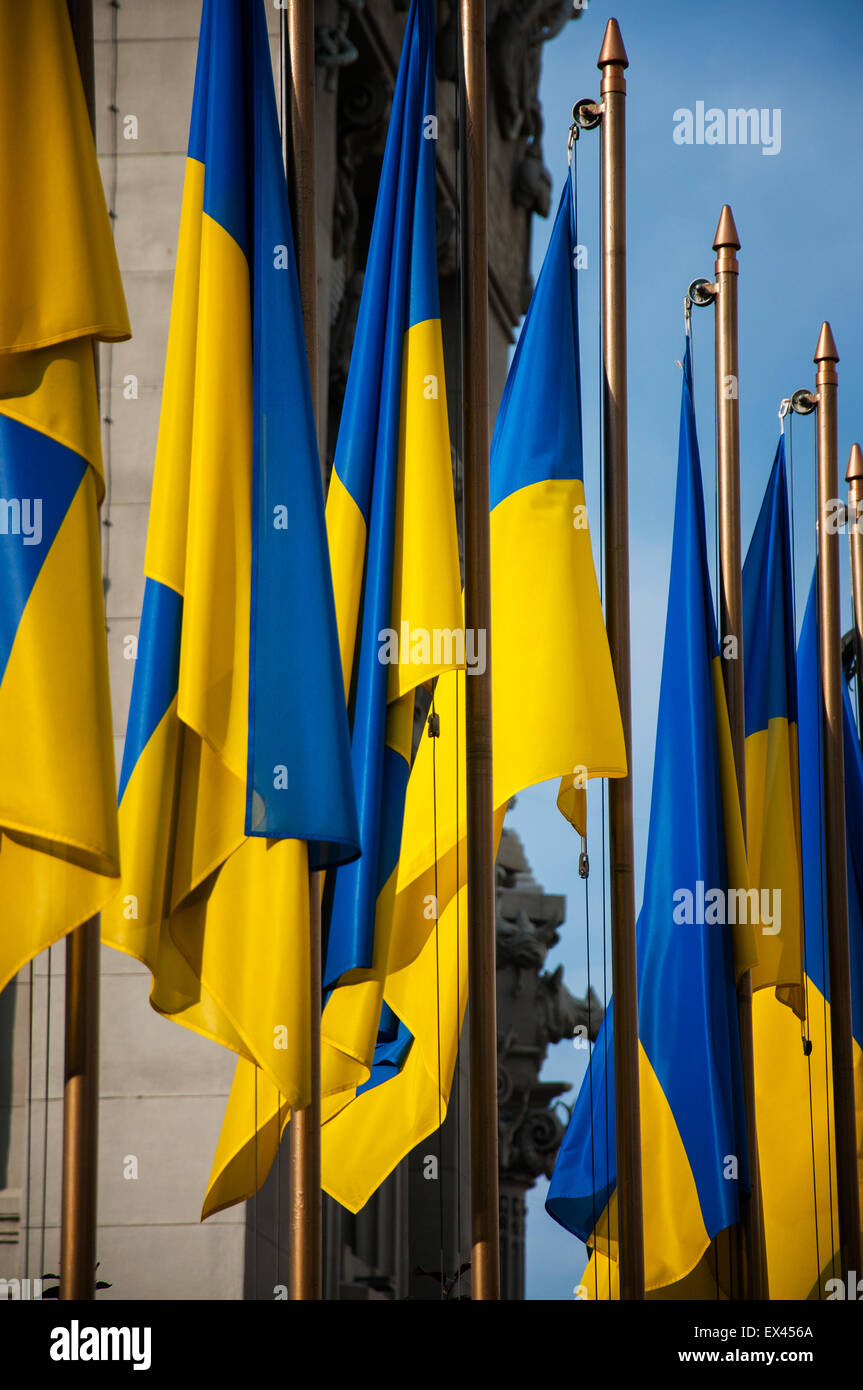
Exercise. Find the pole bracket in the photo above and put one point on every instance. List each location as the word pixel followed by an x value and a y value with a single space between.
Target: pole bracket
pixel 702 292
pixel 803 402
pixel 587 113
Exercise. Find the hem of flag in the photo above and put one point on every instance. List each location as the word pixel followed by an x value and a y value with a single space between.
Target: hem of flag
pixel 246 1191
pixel 101 332
pixel 55 937
pixel 601 1248
pixel 57 437
pixel 36 839
pixel 355 1205
pixel 247 1055
pixel 344 1052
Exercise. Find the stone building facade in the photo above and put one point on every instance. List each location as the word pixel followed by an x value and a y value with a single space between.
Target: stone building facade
pixel 163 1088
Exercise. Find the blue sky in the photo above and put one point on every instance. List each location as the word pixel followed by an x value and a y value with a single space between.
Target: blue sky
pixel 799 214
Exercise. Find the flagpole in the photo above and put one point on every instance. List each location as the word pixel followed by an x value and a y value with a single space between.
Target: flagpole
pixel 81 1060
pixel 726 244
pixel 854 479
pixel 306 1225
pixel 485 1263
pixel 830 636
pixel 612 62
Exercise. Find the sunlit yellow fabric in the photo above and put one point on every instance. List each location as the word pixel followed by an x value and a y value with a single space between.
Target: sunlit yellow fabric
pixel 427 598
pixel 794 1098
pixel 745 935
pixel 572 802
pixel 426 580
pixel 59 851
pixel 773 839
pixel 539 733
pixel 197 896
pixel 59 291
pixel 675 1237
pixel 60 279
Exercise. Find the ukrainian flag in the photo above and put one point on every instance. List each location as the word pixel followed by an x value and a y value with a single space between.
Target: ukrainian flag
pixel 394 546
pixel 794 1090
pixel 555 709
pixel 772 775
pixel 60 292
pixel 236 775
pixel 693 1130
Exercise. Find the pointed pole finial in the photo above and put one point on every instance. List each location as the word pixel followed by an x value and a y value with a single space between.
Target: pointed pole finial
pixel 726 232
pixel 612 50
pixel 826 349
pixel 854 473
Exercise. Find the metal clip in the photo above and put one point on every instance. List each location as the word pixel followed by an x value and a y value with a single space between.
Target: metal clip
pixel 583 861
pixel 573 136
pixel 434 725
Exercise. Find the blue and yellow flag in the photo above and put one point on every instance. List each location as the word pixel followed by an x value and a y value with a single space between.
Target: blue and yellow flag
pixel 793 1067
pixel 772 773
pixel 236 774
pixel 555 710
pixel 394 546
pixel 692 1123
pixel 60 290
pixel 390 509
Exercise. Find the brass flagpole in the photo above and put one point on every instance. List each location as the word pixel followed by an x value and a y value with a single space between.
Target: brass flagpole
pixel 612 62
pixel 830 636
pixel 305 1276
pixel 854 479
pixel 726 244
pixel 81 1061
pixel 485 1261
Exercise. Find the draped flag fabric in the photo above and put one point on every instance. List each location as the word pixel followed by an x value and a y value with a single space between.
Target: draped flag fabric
pixel 772 774
pixel 394 546
pixel 60 291
pixel 236 773
pixel 793 1087
pixel 572 801
pixel 693 1131
pixel 555 712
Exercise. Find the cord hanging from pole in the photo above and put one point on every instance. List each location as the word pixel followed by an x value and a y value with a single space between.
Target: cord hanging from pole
pixel 604 801
pixel 823 892
pixel 434 733
pixel 459 454
pixel 805 1028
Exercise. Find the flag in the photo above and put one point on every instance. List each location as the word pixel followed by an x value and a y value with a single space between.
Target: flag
pixel 555 712
pixel 694 1148
pixel 572 802
pixel 236 775
pixel 772 776
pixel 394 546
pixel 793 1067
pixel 60 292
